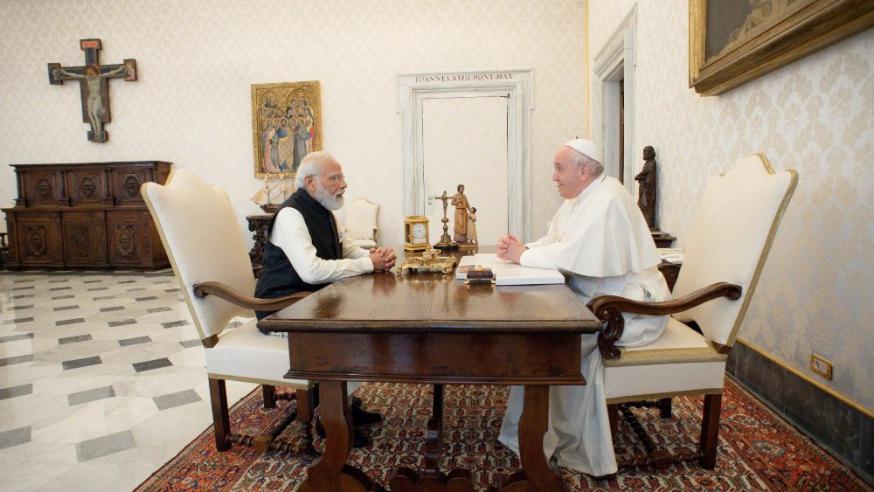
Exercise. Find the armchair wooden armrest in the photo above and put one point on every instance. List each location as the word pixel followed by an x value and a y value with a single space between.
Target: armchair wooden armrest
pixel 609 310
pixel 222 291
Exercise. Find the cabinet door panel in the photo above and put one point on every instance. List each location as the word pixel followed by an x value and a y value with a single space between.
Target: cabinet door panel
pixel 88 187
pixel 126 185
pixel 39 240
pixel 84 239
pixel 45 188
pixel 128 238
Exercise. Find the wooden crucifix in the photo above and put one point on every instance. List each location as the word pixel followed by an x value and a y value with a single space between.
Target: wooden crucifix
pixel 93 85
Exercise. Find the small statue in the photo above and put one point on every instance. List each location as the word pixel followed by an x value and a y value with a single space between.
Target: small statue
pixel 471 226
pixel 462 206
pixel 647 179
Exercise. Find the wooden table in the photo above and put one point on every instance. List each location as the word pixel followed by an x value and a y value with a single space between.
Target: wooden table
pixel 427 328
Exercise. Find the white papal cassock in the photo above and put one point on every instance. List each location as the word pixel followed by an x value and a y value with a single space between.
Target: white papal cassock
pixel 602 244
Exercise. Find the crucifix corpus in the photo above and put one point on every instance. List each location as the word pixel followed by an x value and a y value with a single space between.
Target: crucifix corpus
pixel 93 85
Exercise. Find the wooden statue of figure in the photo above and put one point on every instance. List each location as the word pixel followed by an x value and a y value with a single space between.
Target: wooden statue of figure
pixel 462 207
pixel 647 179
pixel 471 226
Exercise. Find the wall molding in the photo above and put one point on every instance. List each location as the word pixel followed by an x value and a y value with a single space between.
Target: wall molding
pixel 517 86
pixel 806 377
pixel 616 62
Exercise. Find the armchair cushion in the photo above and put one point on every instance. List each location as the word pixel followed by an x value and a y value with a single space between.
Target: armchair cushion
pixel 244 353
pixel 680 361
pixel 678 343
pixel 630 383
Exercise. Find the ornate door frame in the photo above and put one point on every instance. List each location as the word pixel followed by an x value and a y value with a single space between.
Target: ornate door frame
pixel 517 86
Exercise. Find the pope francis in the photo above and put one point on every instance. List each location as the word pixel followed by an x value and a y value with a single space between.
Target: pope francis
pixel 600 241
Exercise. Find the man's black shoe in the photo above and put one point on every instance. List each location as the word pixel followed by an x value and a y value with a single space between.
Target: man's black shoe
pixel 359 440
pixel 360 416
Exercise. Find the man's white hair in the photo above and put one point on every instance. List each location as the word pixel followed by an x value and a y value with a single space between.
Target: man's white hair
pixel 312 165
pixel 592 166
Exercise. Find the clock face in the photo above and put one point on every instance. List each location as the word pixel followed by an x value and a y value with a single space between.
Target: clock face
pixel 419 232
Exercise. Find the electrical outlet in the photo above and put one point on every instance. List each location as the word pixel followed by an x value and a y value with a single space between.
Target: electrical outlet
pixel 821 366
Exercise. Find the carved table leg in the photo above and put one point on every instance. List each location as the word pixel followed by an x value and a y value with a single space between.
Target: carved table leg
pixel 431 478
pixel 433 450
pixel 330 472
pixel 535 476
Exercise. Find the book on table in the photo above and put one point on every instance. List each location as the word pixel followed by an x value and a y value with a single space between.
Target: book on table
pixel 506 272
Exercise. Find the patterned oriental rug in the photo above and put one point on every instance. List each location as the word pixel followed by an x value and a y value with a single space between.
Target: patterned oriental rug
pixel 757 449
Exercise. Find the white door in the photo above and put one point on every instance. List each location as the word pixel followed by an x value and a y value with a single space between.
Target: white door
pixel 465 142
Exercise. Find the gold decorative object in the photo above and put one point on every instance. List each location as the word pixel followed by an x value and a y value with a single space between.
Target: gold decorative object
pixel 445 240
pixel 416 233
pixel 429 261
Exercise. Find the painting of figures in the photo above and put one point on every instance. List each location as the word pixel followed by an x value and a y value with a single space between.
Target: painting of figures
pixel 286 126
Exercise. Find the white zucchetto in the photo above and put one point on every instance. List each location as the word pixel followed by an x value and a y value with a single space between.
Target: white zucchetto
pixel 586 147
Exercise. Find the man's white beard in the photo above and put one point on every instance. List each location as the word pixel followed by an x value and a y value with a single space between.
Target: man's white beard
pixel 327 200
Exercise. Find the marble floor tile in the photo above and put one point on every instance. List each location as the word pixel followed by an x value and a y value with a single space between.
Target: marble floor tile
pixel 90 395
pixel 83 362
pixel 13 391
pixel 14 338
pixel 134 341
pixel 78 410
pixel 179 398
pixel 149 365
pixel 18 359
pixel 74 339
pixel 14 437
pixel 102 446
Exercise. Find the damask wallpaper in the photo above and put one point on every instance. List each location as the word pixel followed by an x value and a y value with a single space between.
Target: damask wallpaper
pixel 196 60
pixel 815 115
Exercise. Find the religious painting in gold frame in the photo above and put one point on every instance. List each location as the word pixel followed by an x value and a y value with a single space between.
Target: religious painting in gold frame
pixel 286 126
pixel 734 41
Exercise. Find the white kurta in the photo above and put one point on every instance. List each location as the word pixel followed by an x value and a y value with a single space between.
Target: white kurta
pixel 290 234
pixel 602 244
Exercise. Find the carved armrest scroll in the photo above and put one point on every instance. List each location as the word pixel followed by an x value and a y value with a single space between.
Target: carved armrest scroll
pixel 225 292
pixel 609 310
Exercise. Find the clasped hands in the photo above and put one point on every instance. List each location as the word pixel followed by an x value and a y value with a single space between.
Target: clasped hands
pixel 510 248
pixel 382 258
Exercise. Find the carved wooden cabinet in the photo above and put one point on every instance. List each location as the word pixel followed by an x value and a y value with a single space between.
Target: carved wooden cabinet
pixel 87 215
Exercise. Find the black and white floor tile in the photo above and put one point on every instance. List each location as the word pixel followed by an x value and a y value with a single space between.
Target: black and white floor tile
pixel 102 379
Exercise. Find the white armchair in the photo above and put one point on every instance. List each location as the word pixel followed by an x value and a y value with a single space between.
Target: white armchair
pixel 201 236
pixel 359 222
pixel 726 248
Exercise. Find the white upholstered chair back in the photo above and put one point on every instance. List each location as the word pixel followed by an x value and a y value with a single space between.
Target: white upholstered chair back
pixel 360 217
pixel 203 240
pixel 729 240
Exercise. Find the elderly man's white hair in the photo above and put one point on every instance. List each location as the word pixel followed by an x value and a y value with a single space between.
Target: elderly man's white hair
pixel 587 154
pixel 311 165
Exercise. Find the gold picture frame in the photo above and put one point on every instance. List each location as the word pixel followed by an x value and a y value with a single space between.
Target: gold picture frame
pixel 286 125
pixel 734 41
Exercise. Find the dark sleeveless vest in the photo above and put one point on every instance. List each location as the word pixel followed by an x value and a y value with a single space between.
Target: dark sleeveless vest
pixel 278 277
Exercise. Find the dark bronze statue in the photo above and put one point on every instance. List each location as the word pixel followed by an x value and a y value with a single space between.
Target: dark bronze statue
pixel 647 179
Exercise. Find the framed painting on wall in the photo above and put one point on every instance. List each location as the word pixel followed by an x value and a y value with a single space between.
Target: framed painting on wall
pixel 734 41
pixel 286 126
